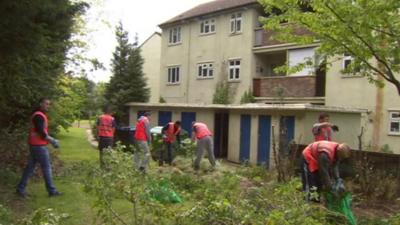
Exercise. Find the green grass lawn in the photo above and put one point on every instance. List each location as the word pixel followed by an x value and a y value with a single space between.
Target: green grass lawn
pixel 76 154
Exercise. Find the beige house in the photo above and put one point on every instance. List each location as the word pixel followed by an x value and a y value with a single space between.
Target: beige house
pixel 151 53
pixel 223 41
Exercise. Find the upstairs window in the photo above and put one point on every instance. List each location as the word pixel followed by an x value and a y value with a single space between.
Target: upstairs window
pixel 394 120
pixel 347 60
pixel 173 75
pixel 207 26
pixel 236 23
pixel 234 70
pixel 205 70
pixel 175 35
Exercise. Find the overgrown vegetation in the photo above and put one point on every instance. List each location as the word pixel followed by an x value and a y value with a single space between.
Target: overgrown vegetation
pixel 222 94
pixel 247 97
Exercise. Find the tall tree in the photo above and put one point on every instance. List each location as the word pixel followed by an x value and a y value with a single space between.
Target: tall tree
pixel 34 40
pixel 128 83
pixel 368 30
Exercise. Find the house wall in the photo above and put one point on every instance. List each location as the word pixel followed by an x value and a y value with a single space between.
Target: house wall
pixel 151 53
pixel 357 92
pixel 217 48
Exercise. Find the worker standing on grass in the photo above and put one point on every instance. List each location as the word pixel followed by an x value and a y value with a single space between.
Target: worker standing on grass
pixel 171 133
pixel 204 141
pixel 105 131
pixel 320 168
pixel 322 130
pixel 38 139
pixel 142 142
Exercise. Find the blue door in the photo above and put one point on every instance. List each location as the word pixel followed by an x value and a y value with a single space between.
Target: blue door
pixel 164 117
pixel 186 121
pixel 287 126
pixel 264 140
pixel 245 128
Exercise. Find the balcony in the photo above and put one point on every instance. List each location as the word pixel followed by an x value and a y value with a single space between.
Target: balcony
pixel 289 89
pixel 264 38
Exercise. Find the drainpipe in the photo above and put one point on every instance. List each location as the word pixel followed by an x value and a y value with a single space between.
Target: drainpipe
pixel 188 65
pixel 377 124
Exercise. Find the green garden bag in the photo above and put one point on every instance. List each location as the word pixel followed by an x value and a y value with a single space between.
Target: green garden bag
pixel 341 205
pixel 162 193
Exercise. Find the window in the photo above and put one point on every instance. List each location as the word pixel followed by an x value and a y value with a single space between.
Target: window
pixel 175 35
pixel 236 23
pixel 302 56
pixel 205 70
pixel 173 75
pixel 394 120
pixel 207 26
pixel 234 69
pixel 347 60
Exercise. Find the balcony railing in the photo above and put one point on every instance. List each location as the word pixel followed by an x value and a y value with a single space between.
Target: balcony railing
pixel 285 86
pixel 264 37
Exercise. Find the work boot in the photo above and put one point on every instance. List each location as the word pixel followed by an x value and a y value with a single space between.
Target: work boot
pixel 23 195
pixel 56 194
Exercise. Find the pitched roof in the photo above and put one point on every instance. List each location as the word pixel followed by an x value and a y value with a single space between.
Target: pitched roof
pixel 210 7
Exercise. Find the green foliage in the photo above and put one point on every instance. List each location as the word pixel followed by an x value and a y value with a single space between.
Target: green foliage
pixel 366 30
pixel 45 216
pixel 247 97
pixel 222 94
pixel 162 100
pixel 128 83
pixel 4 215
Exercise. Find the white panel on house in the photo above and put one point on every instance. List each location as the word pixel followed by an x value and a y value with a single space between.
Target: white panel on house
pixel 298 56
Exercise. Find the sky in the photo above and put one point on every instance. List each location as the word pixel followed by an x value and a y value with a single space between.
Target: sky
pixel 137 16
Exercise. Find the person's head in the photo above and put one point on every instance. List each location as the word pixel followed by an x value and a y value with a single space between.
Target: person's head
pixel 44 104
pixel 323 117
pixel 343 151
pixel 147 114
pixel 177 124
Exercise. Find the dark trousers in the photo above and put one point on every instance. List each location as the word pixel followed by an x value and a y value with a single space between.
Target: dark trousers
pixel 167 146
pixel 104 142
pixel 310 180
pixel 38 155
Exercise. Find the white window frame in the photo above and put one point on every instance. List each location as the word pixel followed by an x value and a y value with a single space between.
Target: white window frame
pixel 236 18
pixel 174 75
pixel 207 24
pixel 175 36
pixel 394 120
pixel 346 57
pixel 234 70
pixel 205 70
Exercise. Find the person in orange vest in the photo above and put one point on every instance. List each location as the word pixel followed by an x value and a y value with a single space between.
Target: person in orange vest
pixel 322 130
pixel 203 135
pixel 320 167
pixel 143 140
pixel 38 139
pixel 105 131
pixel 171 133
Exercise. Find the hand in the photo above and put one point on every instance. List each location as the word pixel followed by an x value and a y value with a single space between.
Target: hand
pixel 335 128
pixel 54 142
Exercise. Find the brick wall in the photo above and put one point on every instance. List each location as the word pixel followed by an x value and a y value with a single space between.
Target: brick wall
pixel 285 86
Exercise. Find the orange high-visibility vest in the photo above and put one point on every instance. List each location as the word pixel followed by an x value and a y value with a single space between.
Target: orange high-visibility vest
pixel 140 132
pixel 34 137
pixel 325 134
pixel 105 127
pixel 171 133
pixel 312 151
pixel 201 130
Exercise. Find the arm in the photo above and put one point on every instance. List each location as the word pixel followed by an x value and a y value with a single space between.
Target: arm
pixel 38 123
pixel 194 134
pixel 147 129
pixel 114 126
pixel 323 170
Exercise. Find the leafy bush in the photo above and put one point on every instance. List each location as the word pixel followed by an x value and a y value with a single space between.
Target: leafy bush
pixel 45 217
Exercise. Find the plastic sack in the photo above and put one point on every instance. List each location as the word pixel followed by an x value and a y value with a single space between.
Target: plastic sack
pixel 162 193
pixel 341 205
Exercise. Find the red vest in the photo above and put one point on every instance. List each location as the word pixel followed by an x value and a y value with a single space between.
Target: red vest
pixel 312 151
pixel 34 137
pixel 171 133
pixel 201 130
pixel 140 132
pixel 324 134
pixel 105 127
